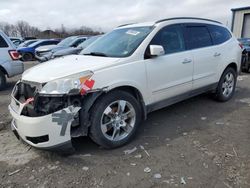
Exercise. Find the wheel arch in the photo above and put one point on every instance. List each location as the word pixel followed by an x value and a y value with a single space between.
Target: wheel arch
pixel 91 98
pixel 135 93
pixel 232 65
pixel 3 70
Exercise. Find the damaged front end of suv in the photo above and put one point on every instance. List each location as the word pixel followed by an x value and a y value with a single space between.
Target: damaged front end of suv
pixel 48 115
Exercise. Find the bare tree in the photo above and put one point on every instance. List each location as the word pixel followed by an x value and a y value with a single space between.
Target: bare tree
pixel 23 29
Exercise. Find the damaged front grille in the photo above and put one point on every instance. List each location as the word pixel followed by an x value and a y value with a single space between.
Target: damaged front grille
pixel 24 91
pixel 40 105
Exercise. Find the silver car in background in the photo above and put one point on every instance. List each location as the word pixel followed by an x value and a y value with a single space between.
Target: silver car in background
pixel 76 50
pixel 10 65
pixel 44 53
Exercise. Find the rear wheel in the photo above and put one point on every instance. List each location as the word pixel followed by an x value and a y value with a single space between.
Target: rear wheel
pixel 2 80
pixel 115 119
pixel 226 86
pixel 27 57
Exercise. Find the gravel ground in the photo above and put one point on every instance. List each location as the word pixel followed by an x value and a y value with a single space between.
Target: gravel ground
pixel 195 143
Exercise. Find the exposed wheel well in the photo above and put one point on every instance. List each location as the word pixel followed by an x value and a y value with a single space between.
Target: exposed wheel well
pixel 3 70
pixel 91 99
pixel 234 66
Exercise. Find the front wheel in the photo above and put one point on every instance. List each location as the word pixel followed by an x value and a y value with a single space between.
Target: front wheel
pixel 226 87
pixel 115 119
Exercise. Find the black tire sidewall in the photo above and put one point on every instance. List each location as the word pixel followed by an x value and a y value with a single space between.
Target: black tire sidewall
pixel 219 92
pixel 2 80
pixel 96 115
pixel 27 57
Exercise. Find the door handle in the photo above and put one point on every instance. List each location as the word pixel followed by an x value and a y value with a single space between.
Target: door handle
pixel 186 61
pixel 217 54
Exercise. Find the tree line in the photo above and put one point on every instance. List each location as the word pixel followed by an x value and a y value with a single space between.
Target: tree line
pixel 24 29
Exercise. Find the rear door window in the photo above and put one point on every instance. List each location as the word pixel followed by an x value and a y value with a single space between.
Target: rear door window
pixel 197 36
pixel 3 43
pixel 53 42
pixel 219 34
pixel 171 38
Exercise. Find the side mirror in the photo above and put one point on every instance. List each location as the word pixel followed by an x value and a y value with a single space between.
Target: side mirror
pixel 156 50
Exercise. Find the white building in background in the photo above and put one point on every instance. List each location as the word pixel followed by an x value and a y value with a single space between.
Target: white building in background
pixel 241 22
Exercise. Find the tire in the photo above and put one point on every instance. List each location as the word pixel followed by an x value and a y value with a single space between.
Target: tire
pixel 248 69
pixel 27 57
pixel 2 80
pixel 120 128
pixel 226 88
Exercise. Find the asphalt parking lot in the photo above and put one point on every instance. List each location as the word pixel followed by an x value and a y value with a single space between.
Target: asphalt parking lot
pixel 195 143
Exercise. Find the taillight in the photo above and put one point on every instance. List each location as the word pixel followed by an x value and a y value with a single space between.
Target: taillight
pixel 241 46
pixel 14 54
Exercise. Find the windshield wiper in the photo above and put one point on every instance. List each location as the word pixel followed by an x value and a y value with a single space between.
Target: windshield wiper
pixel 96 54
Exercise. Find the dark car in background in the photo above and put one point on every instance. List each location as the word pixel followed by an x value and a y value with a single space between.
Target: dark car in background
pixel 28 53
pixel 44 53
pixel 245 65
pixel 71 50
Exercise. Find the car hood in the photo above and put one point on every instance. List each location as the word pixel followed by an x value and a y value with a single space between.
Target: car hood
pixel 66 51
pixel 66 66
pixel 45 48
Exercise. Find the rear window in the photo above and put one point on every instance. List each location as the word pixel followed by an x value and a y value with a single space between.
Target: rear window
pixel 3 43
pixel 219 34
pixel 197 37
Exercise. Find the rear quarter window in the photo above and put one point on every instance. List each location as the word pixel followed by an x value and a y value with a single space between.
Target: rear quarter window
pixel 197 37
pixel 219 34
pixel 3 43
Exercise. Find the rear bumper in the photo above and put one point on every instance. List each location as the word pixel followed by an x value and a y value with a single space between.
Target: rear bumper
pixel 13 68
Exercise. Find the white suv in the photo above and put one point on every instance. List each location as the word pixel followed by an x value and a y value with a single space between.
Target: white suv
pixel 9 60
pixel 107 90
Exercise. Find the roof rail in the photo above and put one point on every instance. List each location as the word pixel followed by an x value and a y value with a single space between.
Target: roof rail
pixel 180 18
pixel 125 24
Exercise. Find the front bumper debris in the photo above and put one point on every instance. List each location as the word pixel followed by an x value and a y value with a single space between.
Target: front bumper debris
pixel 45 131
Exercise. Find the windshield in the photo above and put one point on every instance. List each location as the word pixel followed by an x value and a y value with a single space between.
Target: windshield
pixel 118 43
pixel 67 41
pixel 87 42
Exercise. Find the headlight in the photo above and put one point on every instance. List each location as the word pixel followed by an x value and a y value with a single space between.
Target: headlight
pixel 75 84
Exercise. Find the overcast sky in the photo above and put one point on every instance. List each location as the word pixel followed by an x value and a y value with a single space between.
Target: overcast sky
pixel 106 14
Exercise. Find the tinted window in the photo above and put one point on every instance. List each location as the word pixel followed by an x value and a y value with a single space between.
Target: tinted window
pixel 47 43
pixel 3 43
pixel 197 37
pixel 52 42
pixel 219 34
pixel 170 38
pixel 77 42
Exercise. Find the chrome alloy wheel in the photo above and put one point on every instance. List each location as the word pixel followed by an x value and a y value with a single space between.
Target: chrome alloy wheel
pixel 228 84
pixel 118 120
